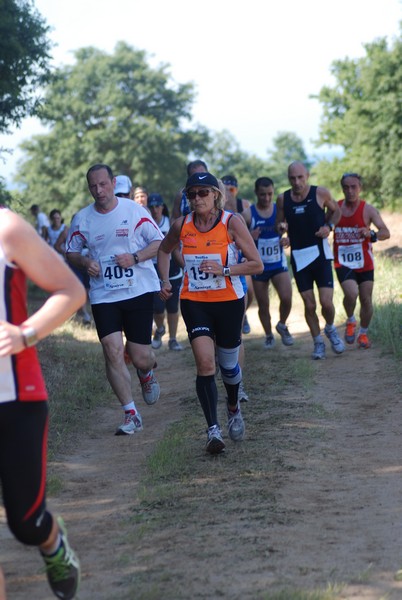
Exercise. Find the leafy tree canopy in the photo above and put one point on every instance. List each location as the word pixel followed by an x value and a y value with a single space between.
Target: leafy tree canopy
pixel 5 196
pixel 288 148
pixel 115 109
pixel 226 158
pixel 362 113
pixel 24 56
pixel 110 109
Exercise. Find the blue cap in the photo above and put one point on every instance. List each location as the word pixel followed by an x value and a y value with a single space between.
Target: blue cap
pixel 155 200
pixel 230 180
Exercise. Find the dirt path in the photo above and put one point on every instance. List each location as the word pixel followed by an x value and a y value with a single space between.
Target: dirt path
pixel 312 497
pixel 338 496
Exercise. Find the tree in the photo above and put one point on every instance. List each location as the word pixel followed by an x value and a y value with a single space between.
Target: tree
pixel 24 56
pixel 363 114
pixel 226 158
pixel 5 196
pixel 111 109
pixel 288 148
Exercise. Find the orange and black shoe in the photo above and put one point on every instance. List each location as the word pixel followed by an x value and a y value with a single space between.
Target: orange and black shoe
pixel 363 341
pixel 350 332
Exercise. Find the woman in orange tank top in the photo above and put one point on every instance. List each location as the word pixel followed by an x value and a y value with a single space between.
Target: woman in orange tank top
pixel 212 296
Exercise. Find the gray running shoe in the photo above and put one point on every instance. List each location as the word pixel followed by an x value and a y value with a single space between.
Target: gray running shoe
pixel 236 428
pixel 174 345
pixel 157 339
pixel 63 569
pixel 150 387
pixel 243 397
pixel 287 339
pixel 269 342
pixel 132 423
pixel 319 351
pixel 336 343
pixel 246 326
pixel 215 443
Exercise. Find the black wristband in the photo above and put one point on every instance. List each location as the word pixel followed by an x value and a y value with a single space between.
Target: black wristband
pixel 373 236
pixel 136 259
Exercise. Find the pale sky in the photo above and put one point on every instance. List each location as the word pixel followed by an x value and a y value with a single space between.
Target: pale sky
pixel 254 64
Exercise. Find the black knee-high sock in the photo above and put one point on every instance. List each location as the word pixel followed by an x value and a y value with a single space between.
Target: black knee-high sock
pixel 208 396
pixel 233 393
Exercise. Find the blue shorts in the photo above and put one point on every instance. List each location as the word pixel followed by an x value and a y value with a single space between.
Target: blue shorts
pixel 267 275
pixel 318 272
pixel 82 275
pixel 172 304
pixel 133 316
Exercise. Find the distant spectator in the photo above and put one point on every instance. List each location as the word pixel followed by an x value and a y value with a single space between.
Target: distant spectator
pixel 157 208
pixel 41 221
pixel 141 196
pixel 123 187
pixel 56 226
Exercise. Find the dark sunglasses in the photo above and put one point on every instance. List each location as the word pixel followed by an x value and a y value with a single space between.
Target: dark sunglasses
pixel 201 193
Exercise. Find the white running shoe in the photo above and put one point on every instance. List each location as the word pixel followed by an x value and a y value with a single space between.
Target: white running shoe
pixel 236 428
pixel 287 339
pixel 319 351
pixel 132 423
pixel 336 343
pixel 269 342
pixel 215 443
pixel 243 397
pixel 173 344
pixel 157 339
pixel 150 387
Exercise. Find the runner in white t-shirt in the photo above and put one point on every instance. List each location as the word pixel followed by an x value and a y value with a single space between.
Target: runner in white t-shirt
pixel 122 238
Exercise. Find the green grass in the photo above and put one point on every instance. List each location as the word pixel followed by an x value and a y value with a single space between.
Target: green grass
pixel 71 359
pixel 330 593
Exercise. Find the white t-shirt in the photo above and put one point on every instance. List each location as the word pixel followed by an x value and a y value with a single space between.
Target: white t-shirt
pixel 41 221
pixel 127 228
pixel 53 234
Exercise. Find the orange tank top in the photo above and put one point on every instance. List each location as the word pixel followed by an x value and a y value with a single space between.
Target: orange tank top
pixel 215 244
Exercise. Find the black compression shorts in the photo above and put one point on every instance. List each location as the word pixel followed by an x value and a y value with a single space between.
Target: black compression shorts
pixel 222 321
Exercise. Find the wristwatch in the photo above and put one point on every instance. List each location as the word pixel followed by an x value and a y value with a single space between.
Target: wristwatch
pixel 226 271
pixel 136 259
pixel 29 336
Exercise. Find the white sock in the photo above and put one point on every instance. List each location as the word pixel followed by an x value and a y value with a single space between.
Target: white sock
pixel 130 407
pixel 53 550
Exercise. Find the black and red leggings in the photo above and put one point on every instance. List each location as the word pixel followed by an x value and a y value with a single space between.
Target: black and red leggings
pixel 23 458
